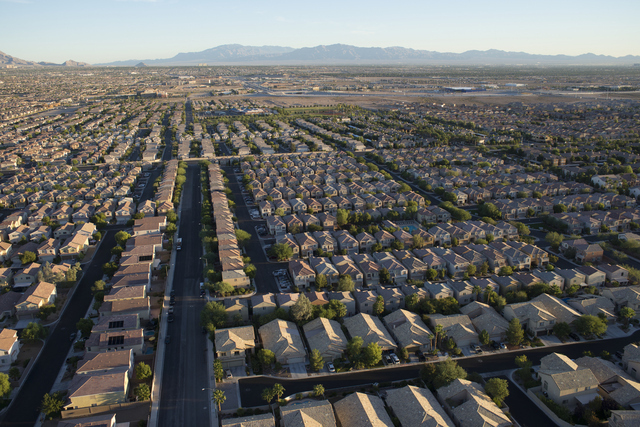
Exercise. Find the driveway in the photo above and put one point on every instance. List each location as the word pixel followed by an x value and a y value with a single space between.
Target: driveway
pixel 230 388
pixel 298 370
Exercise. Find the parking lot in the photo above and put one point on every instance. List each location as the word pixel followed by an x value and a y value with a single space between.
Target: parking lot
pixel 283 280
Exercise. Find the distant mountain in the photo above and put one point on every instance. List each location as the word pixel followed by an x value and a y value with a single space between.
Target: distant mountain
pixel 10 60
pixel 225 54
pixel 340 54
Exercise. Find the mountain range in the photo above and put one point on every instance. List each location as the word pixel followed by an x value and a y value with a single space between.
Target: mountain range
pixel 340 54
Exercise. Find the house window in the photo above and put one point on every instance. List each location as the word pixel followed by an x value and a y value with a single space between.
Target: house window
pixel 223 354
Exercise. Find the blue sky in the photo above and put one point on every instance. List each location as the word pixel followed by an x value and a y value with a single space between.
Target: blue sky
pixel 97 31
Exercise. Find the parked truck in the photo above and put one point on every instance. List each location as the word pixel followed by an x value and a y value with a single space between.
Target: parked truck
pixel 179 243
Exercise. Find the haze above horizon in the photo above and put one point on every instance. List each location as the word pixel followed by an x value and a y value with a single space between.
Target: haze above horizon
pixel 103 31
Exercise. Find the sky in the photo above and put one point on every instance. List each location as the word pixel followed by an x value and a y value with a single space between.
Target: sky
pixel 101 31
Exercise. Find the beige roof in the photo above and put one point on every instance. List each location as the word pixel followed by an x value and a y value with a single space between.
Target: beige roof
pixel 327 336
pixel 556 362
pixel 98 361
pixel 601 369
pixel 624 418
pixel 417 407
pixel 7 338
pixel 308 414
pixel 472 406
pixel 457 326
pixel 262 420
pixel 362 410
pixel 408 328
pixel 370 329
pixel 624 391
pixel 283 338
pixel 91 385
pixel 232 339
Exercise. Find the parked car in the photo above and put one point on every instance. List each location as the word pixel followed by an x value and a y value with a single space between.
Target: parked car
pixel 495 345
pixel 478 350
pixel 228 373
pixel 394 359
pixel 167 339
pixel 503 346
pixel 574 336
pixel 330 367
pixel 72 337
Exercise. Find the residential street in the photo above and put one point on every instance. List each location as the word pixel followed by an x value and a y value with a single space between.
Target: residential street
pixel 26 406
pixel 265 281
pixel 251 388
pixel 182 401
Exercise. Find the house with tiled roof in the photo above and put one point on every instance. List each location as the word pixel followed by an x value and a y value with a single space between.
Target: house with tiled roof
pixel 415 406
pixel 233 345
pixel 370 329
pixel 362 410
pixel 458 327
pixel 283 338
pixel 309 413
pixel 486 318
pixel 9 348
pixel 326 336
pixel 469 406
pixel 565 382
pixel 34 298
pixel 408 330
pixel 541 313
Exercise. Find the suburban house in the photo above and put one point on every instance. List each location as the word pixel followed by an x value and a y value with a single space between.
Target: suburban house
pixel 92 390
pixel 458 327
pixel 370 329
pixel 409 330
pixel 360 410
pixel 346 298
pixel 326 336
pixel 233 345
pixel 415 406
pixel 9 348
pixel 469 406
pixel 486 318
pixel 309 413
pixel 36 296
pixel 540 315
pixel 364 301
pixel 624 296
pixel 301 273
pixel 565 382
pixel 283 338
pixel 631 360
pixel 263 304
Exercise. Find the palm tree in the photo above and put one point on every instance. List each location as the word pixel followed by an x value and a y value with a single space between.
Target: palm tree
pixel 219 397
pixel 268 394
pixel 438 329
pixel 278 390
pixel 477 290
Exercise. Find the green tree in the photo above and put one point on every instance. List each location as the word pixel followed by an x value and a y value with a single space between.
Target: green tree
pixel 219 397
pixel 515 334
pixel 27 257
pixel 142 371
pixel 627 313
pixel 142 392
pixel 417 241
pixel 122 237
pixel 34 331
pixel 316 360
pixel 497 389
pixel 5 385
pixel 385 276
pixel 281 251
pixel 345 283
pixel 484 337
pixel 378 306
pixel 338 307
pixel 302 310
pixel 588 325
pixel 342 217
pixel 213 315
pixel 52 404
pixel 559 208
pixel 243 237
pixel 354 348
pixel 554 239
pixel 505 271
pixel 266 357
pixel 98 286
pixel 84 326
pixel 321 281
pixel 268 394
pixel 446 372
pixel 561 330
pixel 218 370
pixel 279 390
pixel 318 390
pixel 432 274
pixel 371 354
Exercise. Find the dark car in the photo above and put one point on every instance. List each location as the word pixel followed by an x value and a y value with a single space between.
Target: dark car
pixel 170 318
pixel 167 339
pixel 172 301
pixel 574 336
pixel 203 293
pixel 495 345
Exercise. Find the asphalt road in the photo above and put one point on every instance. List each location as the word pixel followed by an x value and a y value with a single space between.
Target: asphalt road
pixel 26 406
pixel 182 401
pixel 265 281
pixel 523 410
pixel 251 388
